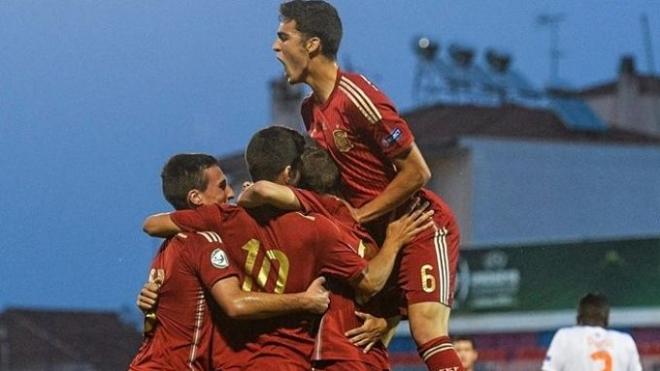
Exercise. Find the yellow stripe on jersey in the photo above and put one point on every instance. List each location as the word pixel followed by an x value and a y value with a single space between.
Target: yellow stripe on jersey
pixel 364 95
pixel 364 113
pixel 360 99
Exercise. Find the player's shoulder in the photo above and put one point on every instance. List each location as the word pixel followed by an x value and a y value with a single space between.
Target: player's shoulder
pixel 357 82
pixel 620 336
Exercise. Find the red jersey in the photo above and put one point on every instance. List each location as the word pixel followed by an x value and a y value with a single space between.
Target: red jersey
pixel 188 265
pixel 270 245
pixel 364 133
pixel 331 343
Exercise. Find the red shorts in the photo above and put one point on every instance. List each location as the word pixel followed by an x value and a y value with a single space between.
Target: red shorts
pixel 427 265
pixel 272 362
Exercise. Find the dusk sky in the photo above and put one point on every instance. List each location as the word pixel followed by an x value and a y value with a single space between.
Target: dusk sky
pixel 96 95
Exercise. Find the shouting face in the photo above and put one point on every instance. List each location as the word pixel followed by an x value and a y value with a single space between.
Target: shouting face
pixel 290 49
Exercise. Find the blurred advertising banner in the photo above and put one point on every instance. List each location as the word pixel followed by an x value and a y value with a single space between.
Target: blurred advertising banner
pixel 553 277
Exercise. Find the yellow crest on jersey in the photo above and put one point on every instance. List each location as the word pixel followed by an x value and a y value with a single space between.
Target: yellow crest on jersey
pixel 342 142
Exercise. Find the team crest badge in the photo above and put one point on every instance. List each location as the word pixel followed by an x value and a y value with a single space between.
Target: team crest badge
pixel 219 259
pixel 342 142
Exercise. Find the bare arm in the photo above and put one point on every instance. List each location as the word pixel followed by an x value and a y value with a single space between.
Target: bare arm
pixel 264 192
pixel 399 232
pixel 412 174
pixel 160 225
pixel 239 304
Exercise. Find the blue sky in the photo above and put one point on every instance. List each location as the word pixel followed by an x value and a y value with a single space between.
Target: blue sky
pixel 96 95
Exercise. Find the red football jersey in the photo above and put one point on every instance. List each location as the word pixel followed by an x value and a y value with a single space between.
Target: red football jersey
pixel 331 343
pixel 279 253
pixel 188 266
pixel 363 131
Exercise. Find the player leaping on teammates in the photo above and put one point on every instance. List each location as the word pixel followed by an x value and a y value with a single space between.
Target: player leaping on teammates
pixel 381 167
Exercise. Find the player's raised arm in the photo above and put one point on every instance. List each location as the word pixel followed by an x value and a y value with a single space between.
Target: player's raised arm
pixel 160 225
pixel 203 218
pixel 264 192
pixel 239 304
pixel 412 175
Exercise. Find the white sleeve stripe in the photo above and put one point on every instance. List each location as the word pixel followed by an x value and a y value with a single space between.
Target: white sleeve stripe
pixel 211 236
pixel 366 98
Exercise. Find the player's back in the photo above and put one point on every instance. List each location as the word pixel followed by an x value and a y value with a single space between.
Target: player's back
pixel 279 252
pixel 182 329
pixel 591 348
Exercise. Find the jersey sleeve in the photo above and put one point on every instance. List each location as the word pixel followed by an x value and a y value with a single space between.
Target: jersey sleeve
pixel 375 116
pixel 337 251
pixel 314 202
pixel 203 218
pixel 554 358
pixel 208 258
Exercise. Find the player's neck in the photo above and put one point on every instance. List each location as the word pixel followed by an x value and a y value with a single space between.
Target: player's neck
pixel 322 79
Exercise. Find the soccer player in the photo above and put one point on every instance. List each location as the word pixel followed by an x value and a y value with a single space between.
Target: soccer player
pixel 280 252
pixel 381 167
pixel 193 268
pixel 467 351
pixel 317 172
pixel 590 345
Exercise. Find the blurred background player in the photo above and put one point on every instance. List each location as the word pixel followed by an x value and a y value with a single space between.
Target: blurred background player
pixel 192 268
pixel 467 351
pixel 380 164
pixel 590 345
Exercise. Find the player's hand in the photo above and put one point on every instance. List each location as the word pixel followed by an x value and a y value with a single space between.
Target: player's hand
pixel 318 296
pixel 148 297
pixel 246 185
pixel 372 330
pixel 404 229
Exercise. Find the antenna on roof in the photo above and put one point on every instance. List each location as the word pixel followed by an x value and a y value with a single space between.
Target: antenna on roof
pixel 648 45
pixel 552 21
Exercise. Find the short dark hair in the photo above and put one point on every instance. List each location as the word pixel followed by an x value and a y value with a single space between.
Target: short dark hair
pixel 183 173
pixel 593 310
pixel 271 150
pixel 319 171
pixel 465 338
pixel 315 18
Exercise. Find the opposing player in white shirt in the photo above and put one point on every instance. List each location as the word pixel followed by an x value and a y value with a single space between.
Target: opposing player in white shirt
pixel 590 346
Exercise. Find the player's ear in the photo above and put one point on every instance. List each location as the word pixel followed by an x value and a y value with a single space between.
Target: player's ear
pixel 195 198
pixel 313 45
pixel 291 176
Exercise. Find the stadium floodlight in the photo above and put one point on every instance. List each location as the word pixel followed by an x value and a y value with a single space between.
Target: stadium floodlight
pixel 461 55
pixel 426 48
pixel 499 62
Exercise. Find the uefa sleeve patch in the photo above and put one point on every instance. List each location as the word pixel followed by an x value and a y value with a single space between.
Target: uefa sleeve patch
pixel 219 259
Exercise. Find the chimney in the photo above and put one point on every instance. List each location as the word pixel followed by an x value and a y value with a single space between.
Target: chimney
pixel 627 65
pixel 285 104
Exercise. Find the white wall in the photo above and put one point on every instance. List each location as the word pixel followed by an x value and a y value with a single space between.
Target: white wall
pixel 540 191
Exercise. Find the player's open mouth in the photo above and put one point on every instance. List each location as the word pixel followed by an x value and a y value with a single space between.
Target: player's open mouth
pixel 284 69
